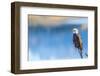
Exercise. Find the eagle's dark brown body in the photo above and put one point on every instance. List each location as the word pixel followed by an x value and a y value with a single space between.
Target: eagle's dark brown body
pixel 78 43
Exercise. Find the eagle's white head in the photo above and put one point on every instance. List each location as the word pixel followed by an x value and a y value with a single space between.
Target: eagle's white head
pixel 75 31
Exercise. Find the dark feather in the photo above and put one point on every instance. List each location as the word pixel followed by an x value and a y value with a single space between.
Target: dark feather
pixel 78 43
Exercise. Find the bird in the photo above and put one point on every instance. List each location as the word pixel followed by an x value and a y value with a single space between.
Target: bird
pixel 77 41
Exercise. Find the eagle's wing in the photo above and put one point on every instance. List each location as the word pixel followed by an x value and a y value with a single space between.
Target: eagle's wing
pixel 80 42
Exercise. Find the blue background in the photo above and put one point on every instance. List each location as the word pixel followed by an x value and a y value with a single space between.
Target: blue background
pixel 56 42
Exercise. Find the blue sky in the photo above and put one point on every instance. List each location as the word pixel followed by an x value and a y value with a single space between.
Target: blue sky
pixel 55 40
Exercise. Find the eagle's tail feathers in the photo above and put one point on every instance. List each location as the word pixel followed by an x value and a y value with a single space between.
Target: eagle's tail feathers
pixel 80 52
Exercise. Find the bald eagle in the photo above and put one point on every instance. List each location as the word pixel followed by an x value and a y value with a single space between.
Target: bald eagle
pixel 77 41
